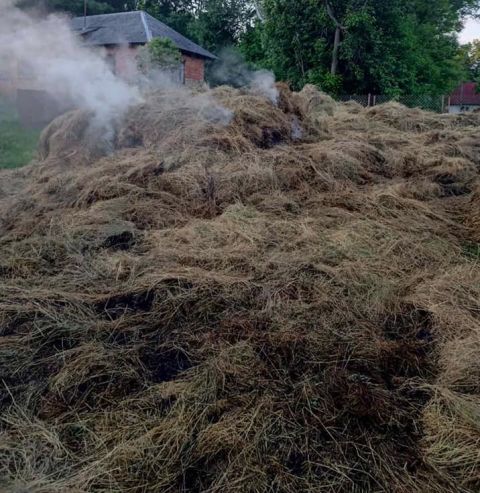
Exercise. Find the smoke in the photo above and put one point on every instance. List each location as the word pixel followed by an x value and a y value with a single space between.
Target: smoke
pixel 231 69
pixel 263 82
pixel 49 53
pixel 57 62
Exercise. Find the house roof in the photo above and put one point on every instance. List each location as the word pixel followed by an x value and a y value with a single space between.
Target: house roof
pixel 465 94
pixel 135 27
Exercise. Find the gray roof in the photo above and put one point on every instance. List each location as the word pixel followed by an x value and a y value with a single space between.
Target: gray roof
pixel 132 27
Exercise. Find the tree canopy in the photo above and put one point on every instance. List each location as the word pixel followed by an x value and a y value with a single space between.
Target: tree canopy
pixel 158 53
pixel 359 46
pixel 389 47
pixel 471 57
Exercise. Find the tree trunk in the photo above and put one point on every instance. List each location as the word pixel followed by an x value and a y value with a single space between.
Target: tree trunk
pixel 338 37
pixel 259 10
pixel 336 48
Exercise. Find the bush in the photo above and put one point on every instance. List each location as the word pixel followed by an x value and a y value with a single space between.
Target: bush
pixel 160 53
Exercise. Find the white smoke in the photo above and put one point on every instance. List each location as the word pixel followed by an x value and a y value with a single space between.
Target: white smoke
pixel 60 65
pixel 231 69
pixel 263 82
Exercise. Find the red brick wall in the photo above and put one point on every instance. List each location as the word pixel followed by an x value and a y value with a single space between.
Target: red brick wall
pixel 194 68
pixel 125 61
pixel 125 67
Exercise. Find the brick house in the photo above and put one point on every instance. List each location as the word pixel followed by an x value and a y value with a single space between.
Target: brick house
pixel 118 36
pixel 122 34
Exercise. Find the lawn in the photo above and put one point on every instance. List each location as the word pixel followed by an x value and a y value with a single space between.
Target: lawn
pixel 17 144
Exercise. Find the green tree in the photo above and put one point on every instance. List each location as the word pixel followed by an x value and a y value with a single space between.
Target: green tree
pixel 212 23
pixel 394 47
pixel 470 55
pixel 159 53
pixel 220 23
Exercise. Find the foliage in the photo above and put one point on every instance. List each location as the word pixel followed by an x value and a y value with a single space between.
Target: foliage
pixel 212 23
pixel 251 42
pixel 471 57
pixel 220 23
pixel 393 48
pixel 230 69
pixel 158 53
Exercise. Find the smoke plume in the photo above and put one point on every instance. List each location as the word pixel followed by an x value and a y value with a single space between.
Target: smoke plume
pixel 231 69
pixel 52 55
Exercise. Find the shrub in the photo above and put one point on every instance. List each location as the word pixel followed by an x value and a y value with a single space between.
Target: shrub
pixel 160 53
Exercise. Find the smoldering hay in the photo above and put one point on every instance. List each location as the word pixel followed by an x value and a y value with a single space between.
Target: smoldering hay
pixel 241 306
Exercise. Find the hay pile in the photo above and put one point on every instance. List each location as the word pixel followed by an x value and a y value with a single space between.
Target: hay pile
pixel 258 299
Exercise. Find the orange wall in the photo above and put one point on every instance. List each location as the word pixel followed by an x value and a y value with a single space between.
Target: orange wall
pixel 194 68
pixel 125 67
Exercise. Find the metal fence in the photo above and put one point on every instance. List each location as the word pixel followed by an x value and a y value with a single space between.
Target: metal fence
pixel 438 104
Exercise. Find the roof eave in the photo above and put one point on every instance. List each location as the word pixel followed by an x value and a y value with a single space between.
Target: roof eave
pixel 210 56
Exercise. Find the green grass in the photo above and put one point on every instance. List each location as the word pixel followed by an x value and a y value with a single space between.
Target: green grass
pixel 471 251
pixel 17 144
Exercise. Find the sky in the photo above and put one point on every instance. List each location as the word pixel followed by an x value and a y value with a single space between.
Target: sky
pixel 471 31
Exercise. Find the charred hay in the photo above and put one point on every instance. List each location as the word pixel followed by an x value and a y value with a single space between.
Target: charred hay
pixel 222 303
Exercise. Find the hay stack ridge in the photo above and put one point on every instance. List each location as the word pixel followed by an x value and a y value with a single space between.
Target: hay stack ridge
pixel 243 297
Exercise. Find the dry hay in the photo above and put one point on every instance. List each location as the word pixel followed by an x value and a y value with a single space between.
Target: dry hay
pixel 315 106
pixel 352 107
pixel 73 136
pixel 315 103
pixel 472 218
pixel 221 307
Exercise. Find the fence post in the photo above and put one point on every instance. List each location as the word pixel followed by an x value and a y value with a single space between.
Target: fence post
pixel 374 100
pixel 369 100
pixel 443 104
